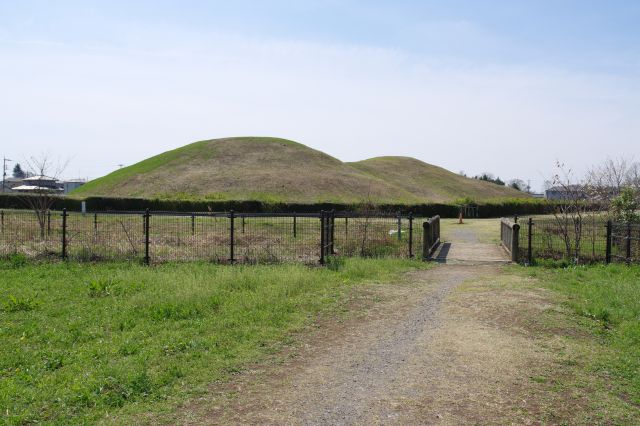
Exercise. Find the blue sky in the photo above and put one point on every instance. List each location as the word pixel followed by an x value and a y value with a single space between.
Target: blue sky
pixel 455 83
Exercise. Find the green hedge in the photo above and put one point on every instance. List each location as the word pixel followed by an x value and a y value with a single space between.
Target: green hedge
pixel 485 210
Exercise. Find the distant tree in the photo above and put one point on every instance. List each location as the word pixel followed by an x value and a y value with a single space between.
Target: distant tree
pixel 41 200
pixel 488 177
pixel 18 173
pixel 518 184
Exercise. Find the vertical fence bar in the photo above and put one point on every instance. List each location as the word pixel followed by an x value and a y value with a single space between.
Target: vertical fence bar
pixel 64 234
pixel 333 230
pixel 231 232
pixel 48 222
pixel 95 222
pixel 193 224
pixel 411 254
pixel 609 237
pixel 346 229
pixel 2 221
pixel 147 216
pixel 295 226
pixel 322 237
pixel 243 220
pixel 399 226
pixel 628 254
pixel 529 242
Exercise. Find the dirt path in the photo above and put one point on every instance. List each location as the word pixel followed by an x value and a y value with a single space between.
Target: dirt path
pixel 453 345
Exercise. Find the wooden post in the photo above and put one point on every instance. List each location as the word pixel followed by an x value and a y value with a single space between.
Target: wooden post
pixel 609 238
pixel 64 234
pixel 515 242
pixel 426 241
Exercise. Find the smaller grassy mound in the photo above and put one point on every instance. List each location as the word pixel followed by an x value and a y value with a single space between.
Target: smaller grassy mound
pixel 431 182
pixel 82 340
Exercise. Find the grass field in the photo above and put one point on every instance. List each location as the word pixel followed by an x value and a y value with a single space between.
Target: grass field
pixel 278 170
pixel 112 341
pixel 606 302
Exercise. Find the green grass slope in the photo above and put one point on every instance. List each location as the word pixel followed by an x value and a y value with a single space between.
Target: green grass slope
pixel 279 170
pixel 430 182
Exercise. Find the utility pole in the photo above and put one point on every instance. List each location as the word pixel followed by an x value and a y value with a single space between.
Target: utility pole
pixel 4 171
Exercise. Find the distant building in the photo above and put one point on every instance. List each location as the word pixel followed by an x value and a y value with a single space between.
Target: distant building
pixel 10 183
pixel 571 192
pixel 40 183
pixel 70 185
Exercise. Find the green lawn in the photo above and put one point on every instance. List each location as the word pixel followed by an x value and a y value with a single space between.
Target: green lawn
pixel 89 342
pixel 606 300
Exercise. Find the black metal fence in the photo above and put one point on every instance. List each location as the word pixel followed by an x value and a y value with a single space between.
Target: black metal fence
pixel 155 236
pixel 591 239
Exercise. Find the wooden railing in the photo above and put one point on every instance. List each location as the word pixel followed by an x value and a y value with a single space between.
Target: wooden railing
pixel 509 237
pixel 431 236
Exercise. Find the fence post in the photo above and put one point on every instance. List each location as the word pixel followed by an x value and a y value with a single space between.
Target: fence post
pixel 322 236
pixel 529 243
pixel 2 221
pixel 515 218
pixel 48 222
pixel 346 228
pixel 64 234
pixel 193 224
pixel 628 244
pixel 399 226
pixel 243 223
pixel 410 234
pixel 147 216
pixel 295 226
pixel 426 243
pixel 609 238
pixel 232 241
pixel 515 243
pixel 333 231
pixel 95 221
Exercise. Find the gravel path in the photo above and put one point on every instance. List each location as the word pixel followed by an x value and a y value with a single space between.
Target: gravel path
pixel 368 371
pixel 355 381
pixel 364 374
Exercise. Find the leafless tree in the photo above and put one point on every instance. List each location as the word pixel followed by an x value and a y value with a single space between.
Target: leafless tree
pixel 570 210
pixel 42 198
pixel 607 180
